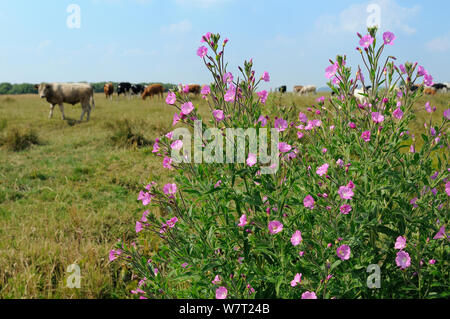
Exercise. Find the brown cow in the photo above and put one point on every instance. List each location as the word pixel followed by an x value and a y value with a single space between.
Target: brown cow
pixel 298 88
pixel 153 89
pixel 194 88
pixel 429 90
pixel 109 90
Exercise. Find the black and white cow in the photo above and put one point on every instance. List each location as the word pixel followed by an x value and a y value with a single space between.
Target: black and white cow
pixel 137 89
pixel 282 89
pixel 440 87
pixel 124 88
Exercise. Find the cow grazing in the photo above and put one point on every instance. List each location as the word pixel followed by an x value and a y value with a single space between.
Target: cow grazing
pixel 440 87
pixel 137 89
pixel 282 89
pixel 298 88
pixel 108 88
pixel 429 90
pixel 124 88
pixel 306 90
pixel 153 89
pixel 195 89
pixel 71 93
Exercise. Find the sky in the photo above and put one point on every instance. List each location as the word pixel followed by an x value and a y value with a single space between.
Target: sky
pixel 156 40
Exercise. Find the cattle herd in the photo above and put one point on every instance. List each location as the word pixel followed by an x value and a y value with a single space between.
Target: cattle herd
pixel 73 93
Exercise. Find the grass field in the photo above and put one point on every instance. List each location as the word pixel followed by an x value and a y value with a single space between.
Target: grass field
pixel 69 197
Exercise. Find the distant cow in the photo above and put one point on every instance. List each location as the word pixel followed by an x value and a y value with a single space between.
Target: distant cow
pixel 440 87
pixel 429 91
pixel 124 88
pixel 194 88
pixel 109 90
pixel 137 89
pixel 308 89
pixel 298 88
pixel 153 89
pixel 71 93
pixel 282 89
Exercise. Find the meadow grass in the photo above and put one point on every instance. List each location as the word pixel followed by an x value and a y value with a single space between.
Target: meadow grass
pixel 70 197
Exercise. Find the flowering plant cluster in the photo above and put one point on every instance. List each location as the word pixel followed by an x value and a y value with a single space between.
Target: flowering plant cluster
pixel 352 189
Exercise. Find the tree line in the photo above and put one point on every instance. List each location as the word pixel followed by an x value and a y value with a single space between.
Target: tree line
pixel 28 88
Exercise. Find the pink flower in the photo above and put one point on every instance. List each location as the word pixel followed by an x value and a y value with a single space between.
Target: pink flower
pixel 262 96
pixel 146 198
pixel 331 70
pixel 402 68
pixel 187 108
pixel 345 209
pixel 440 234
pixel 202 51
pixel 388 38
pixel 309 295
pixel 400 243
pixel 421 71
pixel 296 238
pixel 281 124
pixel 139 227
pixel 176 119
pixel 228 77
pixel 447 188
pixel 171 98
pixel 218 183
pixel 447 114
pixel 302 117
pixel 297 280
pixel 243 221
pixel 230 95
pixel 221 293
pixel 216 280
pixel 377 117
pixel 428 107
pixel 352 125
pixel 171 222
pixel 340 162
pixel 169 135
pixel 275 227
pixel 300 134
pixel 177 145
pixel 345 192
pixel 186 89
pixel 301 253
pixel 366 136
pixel 428 80
pixel 322 170
pixel 114 254
pixel 308 202
pixel 432 261
pixel 366 41
pixel 284 147
pixel 266 77
pixel 398 113
pixel 321 99
pixel 343 252
pixel 166 162
pixel 218 115
pixel 206 90
pixel 251 160
pixel 170 189
pixel 206 37
pixel 403 260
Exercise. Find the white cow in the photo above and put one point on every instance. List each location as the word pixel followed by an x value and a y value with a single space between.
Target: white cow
pixel 71 93
pixel 308 89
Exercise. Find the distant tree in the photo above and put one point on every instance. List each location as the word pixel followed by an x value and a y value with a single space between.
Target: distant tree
pixel 5 88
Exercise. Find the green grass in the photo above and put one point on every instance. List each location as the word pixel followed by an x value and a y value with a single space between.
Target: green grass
pixel 69 198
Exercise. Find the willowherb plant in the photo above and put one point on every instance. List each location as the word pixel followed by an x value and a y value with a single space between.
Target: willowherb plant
pixel 351 191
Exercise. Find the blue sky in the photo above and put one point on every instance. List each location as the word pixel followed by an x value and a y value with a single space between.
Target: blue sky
pixel 156 40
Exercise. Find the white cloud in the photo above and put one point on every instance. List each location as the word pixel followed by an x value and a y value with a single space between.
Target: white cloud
pixel 177 28
pixel 392 16
pixel 439 44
